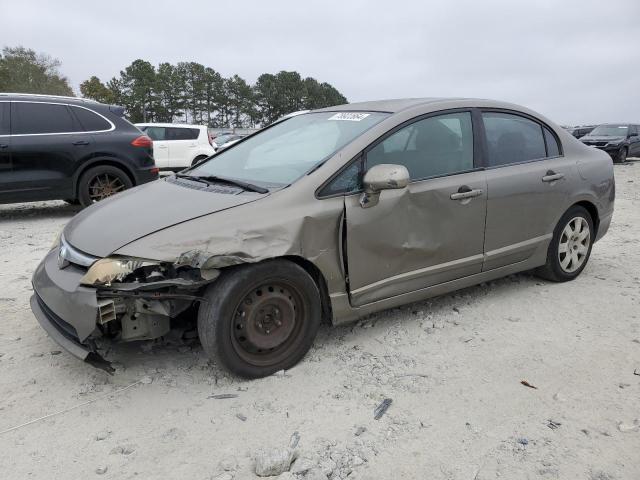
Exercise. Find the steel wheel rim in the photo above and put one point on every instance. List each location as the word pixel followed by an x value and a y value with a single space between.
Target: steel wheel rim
pixel 104 185
pixel 574 244
pixel 268 323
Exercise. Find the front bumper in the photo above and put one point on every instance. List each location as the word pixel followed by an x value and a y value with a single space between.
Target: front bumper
pixel 66 310
pixel 610 149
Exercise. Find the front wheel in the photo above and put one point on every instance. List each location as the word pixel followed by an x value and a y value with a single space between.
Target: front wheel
pixel 101 182
pixel 621 156
pixel 260 318
pixel 570 246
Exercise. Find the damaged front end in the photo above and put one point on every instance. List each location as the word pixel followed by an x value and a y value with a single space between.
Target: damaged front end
pixel 137 298
pixel 79 299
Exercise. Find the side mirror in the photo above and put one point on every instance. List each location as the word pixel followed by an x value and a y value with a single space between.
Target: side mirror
pixel 633 135
pixel 382 177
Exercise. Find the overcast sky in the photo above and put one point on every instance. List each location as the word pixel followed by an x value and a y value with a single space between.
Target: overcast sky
pixel 576 61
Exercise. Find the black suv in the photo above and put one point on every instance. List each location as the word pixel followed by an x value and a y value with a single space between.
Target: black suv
pixel 619 140
pixel 68 148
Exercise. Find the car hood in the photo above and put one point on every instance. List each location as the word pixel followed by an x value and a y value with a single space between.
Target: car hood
pixel 590 138
pixel 115 222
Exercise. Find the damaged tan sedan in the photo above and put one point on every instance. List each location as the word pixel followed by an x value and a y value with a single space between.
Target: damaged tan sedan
pixel 326 216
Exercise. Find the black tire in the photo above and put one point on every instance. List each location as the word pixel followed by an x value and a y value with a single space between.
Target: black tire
pixel 235 330
pixel 554 270
pixel 621 156
pixel 90 181
pixel 198 159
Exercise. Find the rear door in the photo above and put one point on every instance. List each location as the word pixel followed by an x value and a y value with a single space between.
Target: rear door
pixel 528 182
pixel 160 144
pixel 6 173
pixel 183 142
pixel 427 233
pixel 46 143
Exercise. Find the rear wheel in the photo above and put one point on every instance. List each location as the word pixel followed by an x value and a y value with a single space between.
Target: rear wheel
pixel 570 246
pixel 101 182
pixel 260 318
pixel 621 156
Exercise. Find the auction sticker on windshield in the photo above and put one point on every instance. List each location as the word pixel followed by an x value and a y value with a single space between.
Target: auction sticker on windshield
pixel 349 116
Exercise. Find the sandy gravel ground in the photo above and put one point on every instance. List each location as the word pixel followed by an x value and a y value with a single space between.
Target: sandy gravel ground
pixel 452 366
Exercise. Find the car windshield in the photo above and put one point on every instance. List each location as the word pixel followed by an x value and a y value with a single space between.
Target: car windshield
pixel 281 154
pixel 610 131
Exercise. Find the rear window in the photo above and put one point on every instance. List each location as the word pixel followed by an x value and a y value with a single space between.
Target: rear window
pixel 30 118
pixel 174 133
pixel 553 150
pixel 155 133
pixel 90 121
pixel 512 138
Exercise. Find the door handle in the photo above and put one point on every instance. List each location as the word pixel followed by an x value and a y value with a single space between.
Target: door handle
pixel 80 143
pixel 552 176
pixel 162 146
pixel 465 192
pixel 4 145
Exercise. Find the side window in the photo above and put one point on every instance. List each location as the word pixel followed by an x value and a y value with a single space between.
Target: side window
pixel 155 133
pixel 633 129
pixel 553 150
pixel 431 147
pixel 28 118
pixel 4 118
pixel 182 133
pixel 512 138
pixel 348 181
pixel 90 121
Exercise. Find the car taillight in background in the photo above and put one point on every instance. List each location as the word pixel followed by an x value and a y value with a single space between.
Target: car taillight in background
pixel 142 141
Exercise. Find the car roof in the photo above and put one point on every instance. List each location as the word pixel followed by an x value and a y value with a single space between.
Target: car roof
pixel 393 105
pixel 47 98
pixel 177 125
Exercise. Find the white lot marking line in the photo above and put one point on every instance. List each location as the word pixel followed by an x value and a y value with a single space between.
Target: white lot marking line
pixel 70 408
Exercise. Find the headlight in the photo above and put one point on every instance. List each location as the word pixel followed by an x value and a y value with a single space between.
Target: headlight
pixel 107 270
pixel 613 144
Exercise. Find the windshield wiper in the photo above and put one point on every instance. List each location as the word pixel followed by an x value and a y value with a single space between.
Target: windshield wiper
pixel 208 178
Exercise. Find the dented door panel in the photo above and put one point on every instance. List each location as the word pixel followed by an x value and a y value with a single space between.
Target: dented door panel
pixel 415 237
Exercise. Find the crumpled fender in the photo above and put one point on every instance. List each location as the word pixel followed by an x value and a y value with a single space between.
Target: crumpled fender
pixel 251 233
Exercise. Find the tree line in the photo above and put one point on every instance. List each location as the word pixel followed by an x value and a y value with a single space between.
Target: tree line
pixel 192 92
pixel 184 92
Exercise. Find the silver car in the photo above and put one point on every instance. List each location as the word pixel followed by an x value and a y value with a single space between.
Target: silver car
pixel 326 216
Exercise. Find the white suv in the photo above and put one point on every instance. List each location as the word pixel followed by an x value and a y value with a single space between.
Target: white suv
pixel 177 146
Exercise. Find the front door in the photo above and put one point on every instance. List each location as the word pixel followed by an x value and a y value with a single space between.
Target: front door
pixel 46 143
pixel 428 233
pixel 528 182
pixel 634 141
pixel 160 145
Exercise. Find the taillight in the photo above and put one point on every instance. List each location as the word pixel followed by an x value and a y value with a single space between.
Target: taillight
pixel 142 141
pixel 211 140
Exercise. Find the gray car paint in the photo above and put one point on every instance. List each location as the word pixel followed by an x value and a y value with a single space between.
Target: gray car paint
pixel 387 266
pixel 106 226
